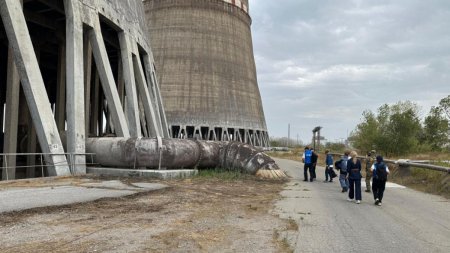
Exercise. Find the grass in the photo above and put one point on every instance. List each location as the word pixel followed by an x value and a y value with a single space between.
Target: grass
pixel 222 174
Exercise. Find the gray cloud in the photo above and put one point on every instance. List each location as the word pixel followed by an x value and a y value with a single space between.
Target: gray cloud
pixel 324 62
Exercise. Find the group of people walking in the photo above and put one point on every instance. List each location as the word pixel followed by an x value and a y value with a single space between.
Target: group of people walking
pixel 350 176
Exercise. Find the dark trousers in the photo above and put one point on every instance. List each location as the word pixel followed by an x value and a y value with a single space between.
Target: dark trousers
pixel 308 166
pixel 355 189
pixel 313 171
pixel 378 187
pixel 327 172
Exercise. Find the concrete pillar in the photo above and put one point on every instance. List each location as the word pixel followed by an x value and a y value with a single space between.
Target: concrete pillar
pixel 95 102
pixel 75 87
pixel 11 117
pixel 87 52
pixel 107 80
pixel 144 93
pixel 60 113
pixel 130 86
pixel 33 86
pixel 150 70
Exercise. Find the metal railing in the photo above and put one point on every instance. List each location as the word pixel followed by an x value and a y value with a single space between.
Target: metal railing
pixel 71 161
pixel 408 163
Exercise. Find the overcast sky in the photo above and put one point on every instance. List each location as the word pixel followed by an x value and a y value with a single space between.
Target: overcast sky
pixel 323 62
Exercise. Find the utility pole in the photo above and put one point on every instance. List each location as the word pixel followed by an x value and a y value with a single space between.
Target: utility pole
pixel 289 135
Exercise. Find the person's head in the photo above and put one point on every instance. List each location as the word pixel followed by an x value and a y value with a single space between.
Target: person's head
pixel 306 148
pixel 369 153
pixel 346 153
pixel 327 151
pixel 379 159
pixel 353 155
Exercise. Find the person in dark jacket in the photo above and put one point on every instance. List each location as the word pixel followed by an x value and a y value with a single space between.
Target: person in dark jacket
pixel 380 171
pixel 314 159
pixel 307 160
pixel 328 166
pixel 354 178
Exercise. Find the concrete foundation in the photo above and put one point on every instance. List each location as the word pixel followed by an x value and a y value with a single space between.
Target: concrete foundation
pixel 161 174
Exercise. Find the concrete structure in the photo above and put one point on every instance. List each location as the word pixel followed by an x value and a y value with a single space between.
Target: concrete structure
pixel 73 69
pixel 204 58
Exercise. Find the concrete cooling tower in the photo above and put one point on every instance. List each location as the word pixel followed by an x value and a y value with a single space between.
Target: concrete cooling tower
pixel 204 60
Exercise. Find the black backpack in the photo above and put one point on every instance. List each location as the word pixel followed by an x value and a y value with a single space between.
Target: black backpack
pixel 381 172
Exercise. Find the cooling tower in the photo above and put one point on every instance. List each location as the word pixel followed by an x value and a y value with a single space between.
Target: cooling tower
pixel 206 70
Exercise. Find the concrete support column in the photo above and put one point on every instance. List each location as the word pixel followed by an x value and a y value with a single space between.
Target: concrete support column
pixel 75 87
pixel 150 70
pixel 130 86
pixel 33 86
pixel 154 131
pixel 94 105
pixel 11 117
pixel 87 52
pixel 107 80
pixel 60 113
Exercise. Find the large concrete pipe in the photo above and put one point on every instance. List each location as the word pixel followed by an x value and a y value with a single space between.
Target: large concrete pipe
pixel 178 153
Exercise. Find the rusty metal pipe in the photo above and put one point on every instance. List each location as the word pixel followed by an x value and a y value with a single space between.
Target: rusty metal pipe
pixel 177 153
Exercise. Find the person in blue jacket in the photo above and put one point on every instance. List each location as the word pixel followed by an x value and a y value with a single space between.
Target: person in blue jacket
pixel 354 178
pixel 328 166
pixel 307 160
pixel 380 171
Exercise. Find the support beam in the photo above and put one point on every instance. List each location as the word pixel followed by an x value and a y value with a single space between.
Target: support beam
pixel 60 114
pixel 107 80
pixel 87 52
pixel 33 86
pixel 75 87
pixel 130 86
pixel 153 130
pixel 150 70
pixel 11 117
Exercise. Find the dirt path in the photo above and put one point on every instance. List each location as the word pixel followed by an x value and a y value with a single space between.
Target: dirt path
pixel 193 215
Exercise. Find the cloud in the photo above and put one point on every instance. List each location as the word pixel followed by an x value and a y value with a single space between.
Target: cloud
pixel 324 62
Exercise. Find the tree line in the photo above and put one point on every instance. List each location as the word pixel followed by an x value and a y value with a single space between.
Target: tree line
pixel 397 129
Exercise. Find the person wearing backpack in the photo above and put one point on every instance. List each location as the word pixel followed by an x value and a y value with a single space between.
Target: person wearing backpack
pixel 341 165
pixel 354 178
pixel 380 172
pixel 307 160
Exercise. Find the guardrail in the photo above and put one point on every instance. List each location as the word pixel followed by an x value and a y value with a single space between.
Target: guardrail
pixel 408 163
pixel 70 157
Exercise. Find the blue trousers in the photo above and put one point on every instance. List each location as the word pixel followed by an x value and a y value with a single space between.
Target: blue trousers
pixel 355 189
pixel 344 182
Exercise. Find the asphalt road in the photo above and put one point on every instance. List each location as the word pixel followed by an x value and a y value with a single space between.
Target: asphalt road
pixel 408 220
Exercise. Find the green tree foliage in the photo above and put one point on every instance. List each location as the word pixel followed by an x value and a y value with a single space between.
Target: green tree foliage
pixel 394 130
pixel 444 106
pixel 435 129
pixel 365 136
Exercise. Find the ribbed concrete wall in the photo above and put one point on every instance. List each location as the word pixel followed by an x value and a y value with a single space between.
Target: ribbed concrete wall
pixel 204 60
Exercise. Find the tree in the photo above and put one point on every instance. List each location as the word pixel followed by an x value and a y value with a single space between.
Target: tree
pixel 394 130
pixel 435 130
pixel 444 105
pixel 364 137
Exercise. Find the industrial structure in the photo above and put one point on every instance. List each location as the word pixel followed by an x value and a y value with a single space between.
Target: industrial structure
pixel 78 76
pixel 70 70
pixel 204 58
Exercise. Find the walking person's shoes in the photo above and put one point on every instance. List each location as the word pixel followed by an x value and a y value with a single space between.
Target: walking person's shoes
pixel 343 190
pixel 377 201
pixel 331 181
pixel 305 180
pixel 367 190
pixel 325 181
pixel 349 200
pixel 358 202
pixel 311 180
